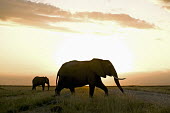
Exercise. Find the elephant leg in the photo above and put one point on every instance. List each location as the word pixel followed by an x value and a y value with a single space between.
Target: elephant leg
pixel 103 87
pixel 58 90
pixel 33 87
pixel 91 92
pixel 72 90
pixel 43 87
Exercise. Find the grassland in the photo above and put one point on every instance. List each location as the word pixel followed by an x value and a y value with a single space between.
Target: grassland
pixel 14 99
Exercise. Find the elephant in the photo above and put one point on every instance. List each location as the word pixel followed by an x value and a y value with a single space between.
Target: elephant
pixel 75 73
pixel 40 81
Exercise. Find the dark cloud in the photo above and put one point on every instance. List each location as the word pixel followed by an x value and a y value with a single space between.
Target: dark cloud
pixel 40 15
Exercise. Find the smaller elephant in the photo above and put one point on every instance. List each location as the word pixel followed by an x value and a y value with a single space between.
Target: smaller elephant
pixel 40 81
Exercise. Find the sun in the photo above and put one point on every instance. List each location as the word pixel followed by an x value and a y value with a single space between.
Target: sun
pixel 87 47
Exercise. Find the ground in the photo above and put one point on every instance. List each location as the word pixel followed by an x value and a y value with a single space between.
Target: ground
pixel 14 99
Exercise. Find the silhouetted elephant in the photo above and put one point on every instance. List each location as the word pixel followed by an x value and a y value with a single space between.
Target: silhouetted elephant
pixel 40 81
pixel 79 73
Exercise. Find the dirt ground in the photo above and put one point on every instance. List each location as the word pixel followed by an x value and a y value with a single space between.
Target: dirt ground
pixel 155 98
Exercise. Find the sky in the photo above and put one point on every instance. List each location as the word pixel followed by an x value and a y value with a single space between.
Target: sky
pixel 38 36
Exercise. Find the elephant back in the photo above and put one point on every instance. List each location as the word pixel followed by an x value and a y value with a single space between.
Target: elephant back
pixel 38 80
pixel 73 68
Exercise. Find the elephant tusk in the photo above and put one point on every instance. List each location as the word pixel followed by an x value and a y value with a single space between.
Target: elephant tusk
pixel 118 78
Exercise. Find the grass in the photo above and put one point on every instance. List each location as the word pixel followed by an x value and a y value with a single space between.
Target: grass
pixel 23 99
pixel 16 99
pixel 111 104
pixel 156 89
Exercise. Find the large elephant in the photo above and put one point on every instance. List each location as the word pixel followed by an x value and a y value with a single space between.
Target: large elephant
pixel 40 81
pixel 79 73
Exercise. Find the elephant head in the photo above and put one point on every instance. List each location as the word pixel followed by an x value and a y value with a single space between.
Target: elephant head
pixel 47 82
pixel 105 67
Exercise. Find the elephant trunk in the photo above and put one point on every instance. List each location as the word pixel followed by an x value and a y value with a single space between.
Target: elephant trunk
pixel 118 85
pixel 48 86
pixel 116 79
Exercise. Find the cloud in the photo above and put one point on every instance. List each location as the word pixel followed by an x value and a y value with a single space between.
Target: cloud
pixel 33 14
pixel 123 19
pixel 167 7
pixel 166 4
pixel 166 1
pixel 163 3
pixel 40 15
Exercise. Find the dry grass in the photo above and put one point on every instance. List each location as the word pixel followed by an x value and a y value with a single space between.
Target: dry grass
pixel 23 99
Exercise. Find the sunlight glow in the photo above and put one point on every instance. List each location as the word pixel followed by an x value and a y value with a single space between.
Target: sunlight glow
pixel 93 46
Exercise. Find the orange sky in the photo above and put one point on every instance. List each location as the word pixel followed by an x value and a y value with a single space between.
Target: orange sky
pixel 37 37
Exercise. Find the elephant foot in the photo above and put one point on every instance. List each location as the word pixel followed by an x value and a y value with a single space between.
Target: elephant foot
pixel 106 95
pixel 57 94
pixel 90 96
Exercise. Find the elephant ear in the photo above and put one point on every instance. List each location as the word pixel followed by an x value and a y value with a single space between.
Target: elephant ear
pixel 96 67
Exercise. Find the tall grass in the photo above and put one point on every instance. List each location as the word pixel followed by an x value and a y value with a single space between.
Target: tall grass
pixel 23 99
pixel 16 99
pixel 111 104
